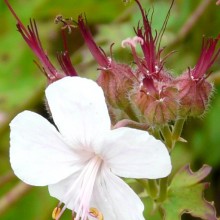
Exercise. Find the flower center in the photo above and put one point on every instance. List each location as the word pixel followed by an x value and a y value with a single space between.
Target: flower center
pixel 84 185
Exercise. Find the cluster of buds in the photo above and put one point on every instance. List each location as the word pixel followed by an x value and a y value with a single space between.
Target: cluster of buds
pixel 146 93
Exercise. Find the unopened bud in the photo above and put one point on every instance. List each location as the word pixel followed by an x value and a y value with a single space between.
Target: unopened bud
pixel 194 95
pixel 116 82
pixel 158 104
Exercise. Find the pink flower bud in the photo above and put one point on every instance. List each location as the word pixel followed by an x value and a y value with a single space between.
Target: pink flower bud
pixel 193 94
pixel 116 82
pixel 194 90
pixel 157 101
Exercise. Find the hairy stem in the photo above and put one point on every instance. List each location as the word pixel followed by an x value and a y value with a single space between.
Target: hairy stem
pixel 13 196
pixel 167 135
pixel 177 130
pixel 131 113
pixel 131 124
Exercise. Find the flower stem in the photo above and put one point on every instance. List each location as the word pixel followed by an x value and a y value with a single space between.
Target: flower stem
pixel 167 135
pixel 163 189
pixel 129 110
pixel 155 133
pixel 131 113
pixel 150 186
pixel 144 184
pixel 153 188
pixel 178 127
pixel 131 124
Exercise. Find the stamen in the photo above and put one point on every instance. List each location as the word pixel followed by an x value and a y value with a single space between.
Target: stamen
pixel 85 180
pixel 68 23
pixel 96 213
pixel 132 42
pixel 56 212
pixel 86 189
pixel 148 47
pixel 64 59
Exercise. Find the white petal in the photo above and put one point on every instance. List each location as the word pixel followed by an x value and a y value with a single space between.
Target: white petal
pixel 78 109
pixel 135 154
pixel 38 154
pixel 115 199
pixel 66 190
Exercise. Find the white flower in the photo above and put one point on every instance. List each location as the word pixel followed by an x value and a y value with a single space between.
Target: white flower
pixel 82 161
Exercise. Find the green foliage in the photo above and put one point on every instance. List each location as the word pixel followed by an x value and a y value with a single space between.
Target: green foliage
pixel 185 195
pixel 206 148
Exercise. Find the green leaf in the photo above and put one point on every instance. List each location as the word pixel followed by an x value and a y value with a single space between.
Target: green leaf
pixel 185 195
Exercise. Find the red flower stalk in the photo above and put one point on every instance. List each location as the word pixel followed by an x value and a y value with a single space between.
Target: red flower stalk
pixel 64 59
pixel 97 53
pixel 206 59
pixel 31 37
pixel 151 45
pixel 148 45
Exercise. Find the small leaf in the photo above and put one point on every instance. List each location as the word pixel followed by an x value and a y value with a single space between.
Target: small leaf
pixel 180 139
pixel 185 195
pixel 185 177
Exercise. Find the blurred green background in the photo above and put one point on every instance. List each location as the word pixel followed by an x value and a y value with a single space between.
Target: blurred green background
pixel 22 84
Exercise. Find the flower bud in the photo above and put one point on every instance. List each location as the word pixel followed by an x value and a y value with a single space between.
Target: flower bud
pixel 116 82
pixel 157 101
pixel 194 89
pixel 194 95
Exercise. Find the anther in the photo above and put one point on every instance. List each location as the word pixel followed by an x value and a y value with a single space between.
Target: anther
pixel 56 212
pixel 68 23
pixel 96 213
pixel 58 19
